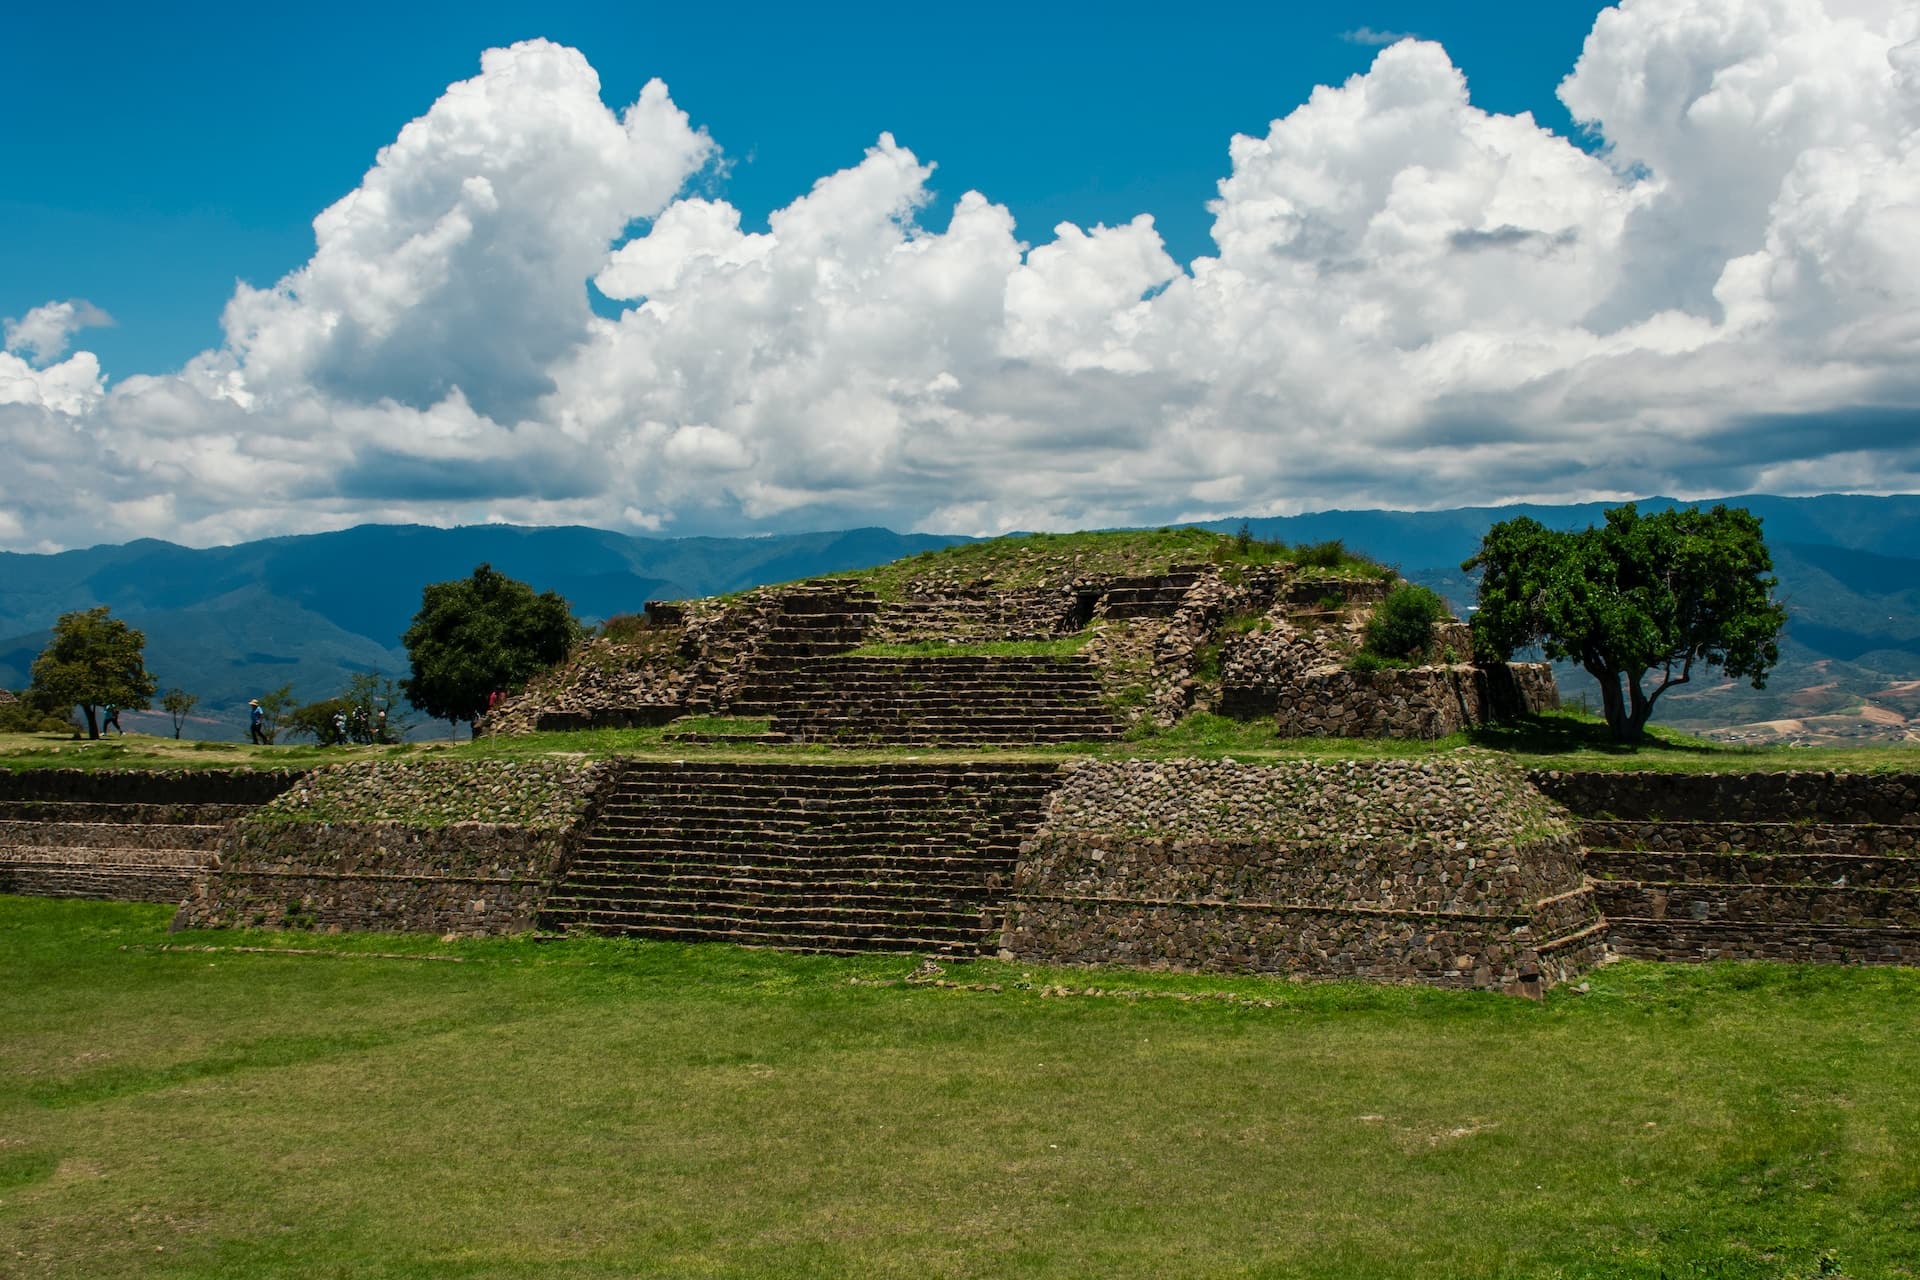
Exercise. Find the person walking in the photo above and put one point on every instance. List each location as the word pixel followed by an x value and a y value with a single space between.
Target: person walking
pixel 257 721
pixel 112 721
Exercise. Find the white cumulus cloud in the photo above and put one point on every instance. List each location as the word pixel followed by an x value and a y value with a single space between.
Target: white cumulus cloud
pixel 1411 301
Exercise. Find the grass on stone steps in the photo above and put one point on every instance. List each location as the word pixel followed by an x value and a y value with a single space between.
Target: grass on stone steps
pixel 1062 647
pixel 599 1108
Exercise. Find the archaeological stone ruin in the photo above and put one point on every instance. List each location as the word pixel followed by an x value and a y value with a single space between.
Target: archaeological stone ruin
pixel 961 822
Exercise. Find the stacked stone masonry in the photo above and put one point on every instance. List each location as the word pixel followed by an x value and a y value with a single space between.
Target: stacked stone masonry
pixel 448 847
pixel 130 837
pixel 1449 871
pixel 1154 643
pixel 834 858
pixel 1813 867
pixel 939 701
pixel 1416 702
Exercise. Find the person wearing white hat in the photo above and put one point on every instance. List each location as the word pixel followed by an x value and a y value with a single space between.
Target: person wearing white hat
pixel 257 721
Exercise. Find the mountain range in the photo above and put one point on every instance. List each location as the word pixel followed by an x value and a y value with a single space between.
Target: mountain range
pixel 228 622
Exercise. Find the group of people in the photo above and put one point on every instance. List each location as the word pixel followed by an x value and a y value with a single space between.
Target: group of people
pixel 358 727
pixel 344 728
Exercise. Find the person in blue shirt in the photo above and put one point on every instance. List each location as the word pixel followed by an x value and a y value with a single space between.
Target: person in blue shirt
pixel 257 722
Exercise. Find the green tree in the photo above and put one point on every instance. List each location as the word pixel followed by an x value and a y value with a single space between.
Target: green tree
pixel 1635 599
pixel 93 660
pixel 316 720
pixel 179 704
pixel 275 704
pixel 475 636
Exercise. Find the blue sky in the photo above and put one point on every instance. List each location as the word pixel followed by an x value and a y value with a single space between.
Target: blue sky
pixel 772 268
pixel 172 152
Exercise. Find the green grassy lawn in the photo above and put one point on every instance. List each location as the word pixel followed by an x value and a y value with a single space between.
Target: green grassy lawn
pixel 1562 740
pixel 605 1109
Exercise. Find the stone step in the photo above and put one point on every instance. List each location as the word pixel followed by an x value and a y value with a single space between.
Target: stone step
pixel 104 856
pixel 117 882
pixel 800 936
pixel 1832 869
pixel 788 881
pixel 870 858
pixel 816 912
pixel 1760 904
pixel 815 810
pixel 956 736
pixel 773 859
pixel 1755 837
pixel 198 837
pixel 102 811
pixel 1695 941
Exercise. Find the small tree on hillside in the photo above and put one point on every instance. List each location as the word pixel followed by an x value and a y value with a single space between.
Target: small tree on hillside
pixel 1633 597
pixel 475 636
pixel 179 704
pixel 92 661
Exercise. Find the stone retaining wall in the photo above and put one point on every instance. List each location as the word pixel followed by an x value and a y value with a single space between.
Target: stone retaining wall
pixel 1697 942
pixel 1450 871
pixel 147 786
pixel 460 847
pixel 1415 702
pixel 1892 798
pixel 466 878
pixel 1805 866
pixel 125 835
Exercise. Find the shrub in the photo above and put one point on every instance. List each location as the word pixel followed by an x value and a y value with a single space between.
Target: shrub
pixel 1366 661
pixel 1323 555
pixel 1402 626
pixel 22 716
pixel 625 628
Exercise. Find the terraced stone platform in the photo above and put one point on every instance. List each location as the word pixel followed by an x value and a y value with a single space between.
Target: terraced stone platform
pixel 836 858
pixel 129 838
pixel 939 701
pixel 1797 867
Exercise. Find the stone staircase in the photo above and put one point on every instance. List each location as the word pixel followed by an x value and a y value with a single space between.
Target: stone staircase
pixel 1154 596
pixel 817 619
pixel 1767 867
pixel 834 858
pixel 1814 892
pixel 973 616
pixel 129 837
pixel 942 702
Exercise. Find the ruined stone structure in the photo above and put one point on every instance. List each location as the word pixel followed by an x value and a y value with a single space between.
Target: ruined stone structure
pixel 128 837
pixel 1814 867
pixel 821 857
pixel 1452 871
pixel 1455 870
pixel 448 847
pixel 1267 642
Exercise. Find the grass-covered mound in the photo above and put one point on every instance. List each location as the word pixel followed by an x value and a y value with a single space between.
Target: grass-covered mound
pixel 1058 559
pixel 600 1109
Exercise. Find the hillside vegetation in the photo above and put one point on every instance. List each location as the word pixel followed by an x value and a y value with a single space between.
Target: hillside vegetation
pixel 1056 559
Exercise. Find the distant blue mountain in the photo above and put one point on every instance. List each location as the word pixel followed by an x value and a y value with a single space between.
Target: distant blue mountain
pixel 227 622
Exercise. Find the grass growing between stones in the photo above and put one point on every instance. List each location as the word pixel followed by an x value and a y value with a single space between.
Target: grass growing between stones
pixel 601 1109
pixel 1061 647
pixel 1560 740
